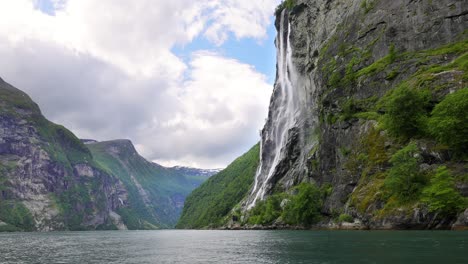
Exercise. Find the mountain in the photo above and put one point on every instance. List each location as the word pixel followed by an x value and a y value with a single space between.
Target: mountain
pixel 51 180
pixel 367 125
pixel 196 172
pixel 207 205
pixel 48 178
pixel 155 194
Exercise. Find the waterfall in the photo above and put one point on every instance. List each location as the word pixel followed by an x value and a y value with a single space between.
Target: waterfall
pixel 282 119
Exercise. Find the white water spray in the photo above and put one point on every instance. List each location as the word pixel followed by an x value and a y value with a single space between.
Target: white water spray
pixel 283 119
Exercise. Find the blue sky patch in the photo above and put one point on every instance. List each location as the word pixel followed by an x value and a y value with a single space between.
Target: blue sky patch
pixel 259 53
pixel 46 6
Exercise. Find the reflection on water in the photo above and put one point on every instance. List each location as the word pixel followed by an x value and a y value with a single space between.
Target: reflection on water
pixel 181 246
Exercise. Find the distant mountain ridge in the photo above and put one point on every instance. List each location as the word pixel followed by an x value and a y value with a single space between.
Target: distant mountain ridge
pixel 196 172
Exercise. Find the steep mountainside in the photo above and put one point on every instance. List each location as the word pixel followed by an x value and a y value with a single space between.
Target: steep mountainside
pixel 48 179
pixel 155 194
pixel 209 204
pixel 367 125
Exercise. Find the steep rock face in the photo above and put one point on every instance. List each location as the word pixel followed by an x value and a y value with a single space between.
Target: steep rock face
pixel 156 194
pixel 336 60
pixel 48 179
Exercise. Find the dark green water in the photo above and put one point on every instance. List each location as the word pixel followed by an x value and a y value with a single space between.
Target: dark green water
pixel 174 246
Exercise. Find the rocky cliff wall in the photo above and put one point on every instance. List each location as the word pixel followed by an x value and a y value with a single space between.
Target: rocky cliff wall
pixel 48 178
pixel 346 57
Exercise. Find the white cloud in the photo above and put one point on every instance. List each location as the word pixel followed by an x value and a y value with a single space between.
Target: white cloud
pixel 224 106
pixel 105 70
pixel 243 18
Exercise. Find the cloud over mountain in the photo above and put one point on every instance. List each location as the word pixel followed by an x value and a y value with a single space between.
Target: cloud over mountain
pixel 106 70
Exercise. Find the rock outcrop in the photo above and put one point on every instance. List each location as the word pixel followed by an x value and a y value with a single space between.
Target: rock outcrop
pixel 48 178
pixel 337 60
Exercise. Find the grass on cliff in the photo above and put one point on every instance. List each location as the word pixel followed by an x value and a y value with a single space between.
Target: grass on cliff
pixel 415 112
pixel 209 204
pixel 367 5
pixel 286 4
pixel 62 145
pixel 16 215
pixel 448 122
pixel 408 115
pixel 397 182
pixel 344 75
pixel 404 180
pixel 406 112
pixel 441 196
pixel 15 99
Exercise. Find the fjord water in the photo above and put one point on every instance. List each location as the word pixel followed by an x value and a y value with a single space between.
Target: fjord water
pixel 190 246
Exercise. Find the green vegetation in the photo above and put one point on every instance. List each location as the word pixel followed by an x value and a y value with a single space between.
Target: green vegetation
pixel 406 112
pixel 16 215
pixel 404 180
pixel 349 74
pixel 367 5
pixel 300 208
pixel 267 211
pixel 304 207
pixel 449 121
pixel 16 99
pixel 343 66
pixel 286 4
pixel 392 54
pixel 367 160
pixel 209 204
pixel 352 107
pixel 407 109
pixel 441 195
pixel 379 65
pixel 62 145
pixel 345 218
pixel 9 228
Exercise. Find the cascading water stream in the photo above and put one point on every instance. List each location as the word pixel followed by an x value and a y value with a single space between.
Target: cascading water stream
pixel 283 119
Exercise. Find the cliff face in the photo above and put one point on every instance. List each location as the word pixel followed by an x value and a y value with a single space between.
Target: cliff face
pixel 48 178
pixel 338 63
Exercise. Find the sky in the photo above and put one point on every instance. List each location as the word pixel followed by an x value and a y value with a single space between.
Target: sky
pixel 189 82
